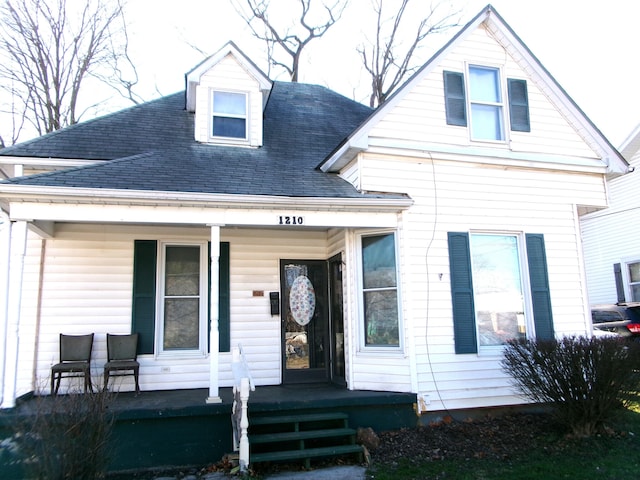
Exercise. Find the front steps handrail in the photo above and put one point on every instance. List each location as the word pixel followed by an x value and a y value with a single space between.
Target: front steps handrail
pixel 242 385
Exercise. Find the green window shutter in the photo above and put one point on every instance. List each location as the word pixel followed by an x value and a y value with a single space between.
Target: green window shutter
pixel 454 99
pixel 143 321
pixel 464 323
pixel 224 310
pixel 617 274
pixel 539 280
pixel 143 310
pixel 518 105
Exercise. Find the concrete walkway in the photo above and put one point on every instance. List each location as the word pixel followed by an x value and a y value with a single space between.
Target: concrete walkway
pixel 346 472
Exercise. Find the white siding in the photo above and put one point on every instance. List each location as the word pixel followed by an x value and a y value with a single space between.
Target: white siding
pixel 612 235
pixel 420 115
pixel 228 75
pixel 255 264
pixel 87 278
pixel 450 196
pixel 351 174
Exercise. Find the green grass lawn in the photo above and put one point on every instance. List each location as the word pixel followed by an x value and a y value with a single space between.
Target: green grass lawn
pixel 610 457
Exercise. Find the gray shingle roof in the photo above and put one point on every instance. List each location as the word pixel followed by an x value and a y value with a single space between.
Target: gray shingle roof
pixel 152 147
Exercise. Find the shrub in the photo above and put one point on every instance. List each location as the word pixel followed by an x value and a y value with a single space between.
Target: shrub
pixel 584 380
pixel 66 436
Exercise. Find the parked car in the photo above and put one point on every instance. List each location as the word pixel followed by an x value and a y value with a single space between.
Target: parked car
pixel 620 318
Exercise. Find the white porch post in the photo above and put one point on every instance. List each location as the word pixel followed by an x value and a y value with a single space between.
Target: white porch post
pixel 214 335
pixel 15 240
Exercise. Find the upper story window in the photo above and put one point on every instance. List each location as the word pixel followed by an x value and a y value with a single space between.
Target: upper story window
pixel 485 103
pixel 229 115
pixel 485 98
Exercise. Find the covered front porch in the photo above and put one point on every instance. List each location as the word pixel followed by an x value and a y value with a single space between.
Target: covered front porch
pixel 70 274
pixel 178 428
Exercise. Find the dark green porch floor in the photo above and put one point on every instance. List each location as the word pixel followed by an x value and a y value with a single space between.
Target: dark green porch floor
pixel 178 427
pixel 263 399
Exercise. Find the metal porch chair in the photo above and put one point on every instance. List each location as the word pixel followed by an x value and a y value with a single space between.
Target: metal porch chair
pixel 122 351
pixel 75 361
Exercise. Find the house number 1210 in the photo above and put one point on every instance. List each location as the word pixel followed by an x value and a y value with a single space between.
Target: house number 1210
pixel 290 220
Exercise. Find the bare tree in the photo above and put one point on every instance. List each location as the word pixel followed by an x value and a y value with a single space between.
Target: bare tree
pixel 48 49
pixel 289 38
pixel 389 59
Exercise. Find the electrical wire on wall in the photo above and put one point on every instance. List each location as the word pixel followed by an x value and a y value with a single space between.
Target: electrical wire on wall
pixel 428 288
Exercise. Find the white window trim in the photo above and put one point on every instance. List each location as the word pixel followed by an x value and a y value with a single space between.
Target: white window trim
pixel 626 277
pixel 246 116
pixel 493 350
pixel 506 121
pixel 201 351
pixel 393 350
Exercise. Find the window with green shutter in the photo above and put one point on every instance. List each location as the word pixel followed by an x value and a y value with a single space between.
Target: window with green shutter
pixel 488 294
pixel 170 296
pixel 482 107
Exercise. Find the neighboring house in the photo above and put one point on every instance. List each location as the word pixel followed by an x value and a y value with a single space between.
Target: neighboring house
pixel 393 249
pixel 611 236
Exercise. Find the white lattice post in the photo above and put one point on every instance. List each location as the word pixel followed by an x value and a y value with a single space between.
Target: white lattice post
pixel 244 425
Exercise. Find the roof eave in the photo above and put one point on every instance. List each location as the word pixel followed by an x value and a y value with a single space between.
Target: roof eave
pixel 100 196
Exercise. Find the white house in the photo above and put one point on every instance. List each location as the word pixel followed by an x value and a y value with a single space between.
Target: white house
pixel 393 249
pixel 611 236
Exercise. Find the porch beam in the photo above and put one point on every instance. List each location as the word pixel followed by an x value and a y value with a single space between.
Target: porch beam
pixel 324 216
pixel 45 229
pixel 214 333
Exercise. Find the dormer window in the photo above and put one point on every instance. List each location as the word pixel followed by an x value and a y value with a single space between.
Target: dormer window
pixel 229 115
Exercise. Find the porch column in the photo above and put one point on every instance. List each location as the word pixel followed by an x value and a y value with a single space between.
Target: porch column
pixel 14 238
pixel 214 335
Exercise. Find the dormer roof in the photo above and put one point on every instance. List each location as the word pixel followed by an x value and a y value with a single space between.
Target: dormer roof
pixel 192 78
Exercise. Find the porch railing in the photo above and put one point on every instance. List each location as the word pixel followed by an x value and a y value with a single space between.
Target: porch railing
pixel 242 385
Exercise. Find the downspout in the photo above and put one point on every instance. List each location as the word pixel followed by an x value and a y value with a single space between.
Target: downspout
pixel 36 341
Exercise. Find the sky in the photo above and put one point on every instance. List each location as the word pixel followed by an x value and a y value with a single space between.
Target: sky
pixel 589 46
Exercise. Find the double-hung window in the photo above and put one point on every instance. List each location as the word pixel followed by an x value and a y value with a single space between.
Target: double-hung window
pixel 229 115
pixel 380 291
pixel 171 286
pixel 485 97
pixel 499 289
pixel 477 98
pixel 182 299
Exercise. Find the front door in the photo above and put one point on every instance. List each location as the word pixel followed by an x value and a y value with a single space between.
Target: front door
pixel 305 321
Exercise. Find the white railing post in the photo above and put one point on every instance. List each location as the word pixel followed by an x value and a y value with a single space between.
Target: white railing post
pixel 242 385
pixel 244 425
